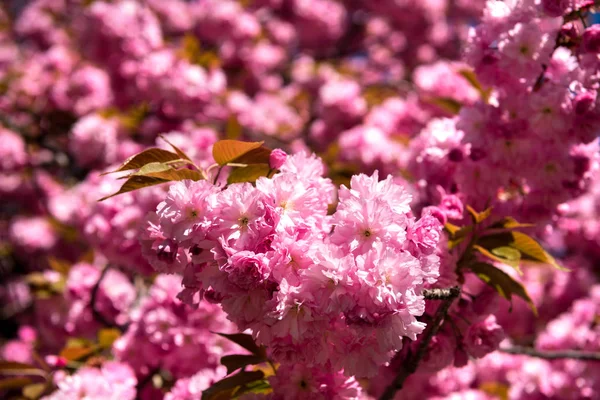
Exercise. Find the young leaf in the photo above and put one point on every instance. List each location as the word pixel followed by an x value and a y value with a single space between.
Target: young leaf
pixel 446 104
pixel 248 174
pixel 164 171
pixel 34 391
pixel 246 341
pixel 135 183
pixel 146 157
pixel 106 337
pixel 227 151
pixel 451 228
pixel 233 128
pixel 259 155
pixel 60 266
pixel 14 383
pixel 458 231
pixel 152 167
pixel 479 217
pixel 503 254
pixel 14 368
pixel 75 353
pixel 529 248
pixel 258 387
pixel 452 243
pixel 509 223
pixel 470 76
pixel 180 153
pixel 231 382
pixel 237 361
pixel 501 282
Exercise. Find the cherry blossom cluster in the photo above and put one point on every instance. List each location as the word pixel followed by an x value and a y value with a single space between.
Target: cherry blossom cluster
pixel 520 377
pixel 113 380
pixel 539 81
pixel 164 334
pixel 266 254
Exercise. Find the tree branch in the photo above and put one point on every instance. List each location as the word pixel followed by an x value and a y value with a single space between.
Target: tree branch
pixel 97 314
pixel 412 362
pixel 552 354
pixel 439 294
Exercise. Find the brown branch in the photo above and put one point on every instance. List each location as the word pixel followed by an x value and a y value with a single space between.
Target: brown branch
pixel 552 354
pixel 97 314
pixel 412 362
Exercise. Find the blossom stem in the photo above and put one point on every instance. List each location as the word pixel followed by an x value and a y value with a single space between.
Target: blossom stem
pixel 552 354
pixel 413 361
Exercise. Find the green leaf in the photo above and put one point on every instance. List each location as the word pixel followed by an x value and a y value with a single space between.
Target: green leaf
pixel 237 361
pixel 153 155
pixel 228 151
pixel 230 383
pixel 152 167
pixel 135 183
pixel 508 253
pixel 34 391
pixel 501 282
pixel 529 248
pixel 503 254
pixel 14 383
pixel 479 217
pixel 509 223
pixel 258 387
pixel 248 174
pixel 246 341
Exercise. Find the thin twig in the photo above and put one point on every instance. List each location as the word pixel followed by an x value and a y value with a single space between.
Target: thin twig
pixel 438 294
pixel 412 363
pixel 218 173
pixel 552 354
pixel 97 314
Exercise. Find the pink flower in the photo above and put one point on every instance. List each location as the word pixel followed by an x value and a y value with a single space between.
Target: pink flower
pixel 94 141
pixel 425 234
pixel 13 155
pixel 591 39
pixel 113 380
pixel 246 269
pixel 483 337
pixel 555 8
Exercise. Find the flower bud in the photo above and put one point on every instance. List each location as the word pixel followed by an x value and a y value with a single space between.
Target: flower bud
pixel 555 8
pixel 591 39
pixel 277 158
pixel 584 102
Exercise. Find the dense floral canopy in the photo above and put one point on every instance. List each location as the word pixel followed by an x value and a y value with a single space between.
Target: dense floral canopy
pixel 299 199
